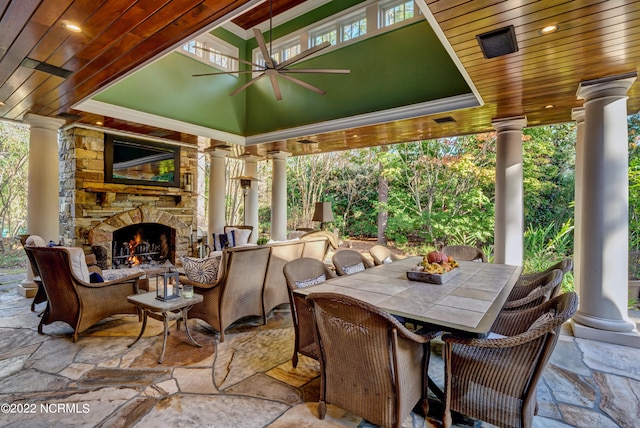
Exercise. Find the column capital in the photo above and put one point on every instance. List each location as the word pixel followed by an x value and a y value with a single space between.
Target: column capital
pixel 611 86
pixel 509 123
pixel 43 122
pixel 577 114
pixel 279 155
pixel 217 153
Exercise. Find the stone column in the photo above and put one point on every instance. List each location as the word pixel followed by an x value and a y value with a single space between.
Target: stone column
pixel 251 197
pixel 577 114
pixel 509 204
pixel 217 192
pixel 604 214
pixel 43 202
pixel 279 197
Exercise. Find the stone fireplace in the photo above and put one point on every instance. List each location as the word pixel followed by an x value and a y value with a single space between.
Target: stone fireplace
pixel 105 216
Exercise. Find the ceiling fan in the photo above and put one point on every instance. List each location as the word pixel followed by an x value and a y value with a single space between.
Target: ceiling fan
pixel 272 69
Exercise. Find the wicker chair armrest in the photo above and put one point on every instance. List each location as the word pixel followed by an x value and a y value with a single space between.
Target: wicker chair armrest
pixel 503 342
pixel 133 278
pixel 423 335
pixel 185 280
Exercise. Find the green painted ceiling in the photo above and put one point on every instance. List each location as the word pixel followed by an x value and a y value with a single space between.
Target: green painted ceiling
pixel 394 69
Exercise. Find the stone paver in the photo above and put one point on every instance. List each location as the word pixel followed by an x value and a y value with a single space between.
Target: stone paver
pixel 248 380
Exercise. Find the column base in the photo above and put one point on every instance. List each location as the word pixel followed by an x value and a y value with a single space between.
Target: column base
pixel 629 338
pixel 27 292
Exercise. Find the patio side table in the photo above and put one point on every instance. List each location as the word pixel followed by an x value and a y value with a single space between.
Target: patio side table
pixel 164 311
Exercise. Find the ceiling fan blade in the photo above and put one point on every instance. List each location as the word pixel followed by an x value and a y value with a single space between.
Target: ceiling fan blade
pixel 276 86
pixel 231 57
pixel 227 72
pixel 303 84
pixel 303 54
pixel 263 48
pixel 246 85
pixel 315 70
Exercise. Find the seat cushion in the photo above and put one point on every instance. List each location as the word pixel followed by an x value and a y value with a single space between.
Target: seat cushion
pixel 358 267
pixel 201 270
pixel 311 281
pixel 78 263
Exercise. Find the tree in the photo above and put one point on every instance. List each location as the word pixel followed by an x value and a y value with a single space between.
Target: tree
pixel 13 178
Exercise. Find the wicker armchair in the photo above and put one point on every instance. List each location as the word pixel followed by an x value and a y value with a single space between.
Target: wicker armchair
pixel 464 253
pixel 237 293
pixel 495 379
pixel 532 294
pixel 350 261
pixel 382 255
pixel 370 364
pixel 73 300
pixel 35 240
pixel 301 273
pixel 565 265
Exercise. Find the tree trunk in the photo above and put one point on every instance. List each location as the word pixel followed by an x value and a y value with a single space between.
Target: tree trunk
pixel 383 199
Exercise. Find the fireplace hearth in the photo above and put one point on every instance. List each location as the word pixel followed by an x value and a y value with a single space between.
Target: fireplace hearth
pixel 142 243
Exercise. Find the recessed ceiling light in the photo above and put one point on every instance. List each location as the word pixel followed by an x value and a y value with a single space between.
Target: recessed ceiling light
pixel 73 27
pixel 99 123
pixel 550 106
pixel 2 104
pixel 549 29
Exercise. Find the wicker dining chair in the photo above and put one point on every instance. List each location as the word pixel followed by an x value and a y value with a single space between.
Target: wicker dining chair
pixel 495 379
pixel 535 292
pixel 348 262
pixel 565 265
pixel 74 300
pixel 381 255
pixel 370 364
pixel 464 253
pixel 301 273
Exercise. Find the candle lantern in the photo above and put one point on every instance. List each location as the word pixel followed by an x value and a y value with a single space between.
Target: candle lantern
pixel 169 288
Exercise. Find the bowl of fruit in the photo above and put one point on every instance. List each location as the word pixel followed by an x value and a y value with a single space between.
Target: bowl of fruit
pixel 435 267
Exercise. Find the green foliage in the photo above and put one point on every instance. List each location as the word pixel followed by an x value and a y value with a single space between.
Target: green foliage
pixel 14 139
pixel 545 246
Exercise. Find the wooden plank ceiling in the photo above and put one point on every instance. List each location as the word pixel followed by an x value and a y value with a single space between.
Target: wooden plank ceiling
pixel 595 39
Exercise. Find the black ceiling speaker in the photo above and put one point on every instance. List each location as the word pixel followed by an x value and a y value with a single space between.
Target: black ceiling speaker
pixel 47 68
pixel 498 42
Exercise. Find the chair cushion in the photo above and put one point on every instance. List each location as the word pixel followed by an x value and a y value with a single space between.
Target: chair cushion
pixel 358 267
pixel 387 260
pixel 547 316
pixel 35 241
pixel 201 270
pixel 240 236
pixel 312 281
pixel 78 263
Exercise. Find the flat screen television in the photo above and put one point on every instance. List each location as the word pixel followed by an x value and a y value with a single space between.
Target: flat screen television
pixel 131 161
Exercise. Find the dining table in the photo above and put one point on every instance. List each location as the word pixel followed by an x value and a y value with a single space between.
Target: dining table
pixel 468 303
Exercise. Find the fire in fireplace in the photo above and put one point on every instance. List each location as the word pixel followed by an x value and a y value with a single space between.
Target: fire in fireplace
pixel 143 243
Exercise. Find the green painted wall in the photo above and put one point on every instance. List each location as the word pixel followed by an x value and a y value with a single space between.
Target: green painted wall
pixel 399 68
pixel 394 69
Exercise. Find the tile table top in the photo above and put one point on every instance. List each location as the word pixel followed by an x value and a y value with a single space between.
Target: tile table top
pixel 467 303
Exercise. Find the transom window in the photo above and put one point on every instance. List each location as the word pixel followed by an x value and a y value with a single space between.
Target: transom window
pixel 209 50
pixel 365 20
pixel 397 11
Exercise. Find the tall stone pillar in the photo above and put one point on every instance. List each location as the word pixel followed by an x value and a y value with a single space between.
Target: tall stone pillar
pixel 577 114
pixel 509 204
pixel 604 214
pixel 217 192
pixel 251 197
pixel 279 197
pixel 43 203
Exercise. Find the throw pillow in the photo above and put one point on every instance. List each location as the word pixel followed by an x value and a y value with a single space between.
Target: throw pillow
pixel 223 240
pixel 95 277
pixel 201 270
pixel 542 319
pixel 313 281
pixel 358 267
pixel 387 260
pixel 240 236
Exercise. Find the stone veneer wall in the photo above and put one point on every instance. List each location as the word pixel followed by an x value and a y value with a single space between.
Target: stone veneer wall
pixel 90 209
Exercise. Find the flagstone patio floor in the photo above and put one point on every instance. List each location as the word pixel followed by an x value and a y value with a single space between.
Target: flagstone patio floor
pixel 247 381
